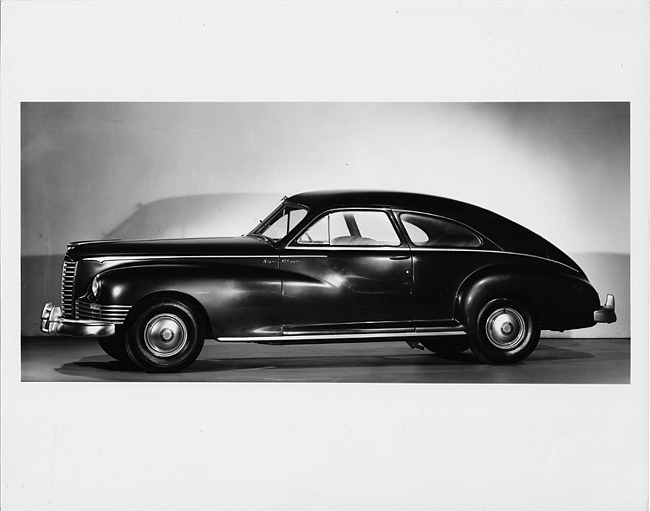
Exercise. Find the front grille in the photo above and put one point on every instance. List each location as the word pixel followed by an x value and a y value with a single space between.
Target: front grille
pixel 111 313
pixel 67 287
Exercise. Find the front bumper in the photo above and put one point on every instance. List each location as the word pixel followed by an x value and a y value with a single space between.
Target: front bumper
pixel 606 313
pixel 52 323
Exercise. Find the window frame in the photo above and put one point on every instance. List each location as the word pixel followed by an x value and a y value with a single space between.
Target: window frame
pixel 268 220
pixel 397 228
pixel 483 240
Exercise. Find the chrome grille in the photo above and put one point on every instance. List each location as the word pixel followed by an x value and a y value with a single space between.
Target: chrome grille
pixel 115 314
pixel 67 287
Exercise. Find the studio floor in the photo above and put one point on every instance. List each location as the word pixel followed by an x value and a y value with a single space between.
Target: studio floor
pixel 555 361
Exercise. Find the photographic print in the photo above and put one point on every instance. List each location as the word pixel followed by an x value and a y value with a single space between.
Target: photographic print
pixel 340 280
pixel 324 255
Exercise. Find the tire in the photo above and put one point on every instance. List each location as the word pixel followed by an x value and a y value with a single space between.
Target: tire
pixel 114 346
pixel 165 337
pixel 507 331
pixel 444 345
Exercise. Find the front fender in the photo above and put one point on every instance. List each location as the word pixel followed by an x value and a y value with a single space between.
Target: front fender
pixel 238 300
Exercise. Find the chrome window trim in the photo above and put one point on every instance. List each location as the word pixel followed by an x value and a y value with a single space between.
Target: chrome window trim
pixel 283 204
pixel 481 237
pixel 293 243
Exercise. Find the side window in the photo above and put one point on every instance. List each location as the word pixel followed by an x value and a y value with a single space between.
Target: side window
pixel 283 224
pixel 317 234
pixel 351 229
pixel 428 231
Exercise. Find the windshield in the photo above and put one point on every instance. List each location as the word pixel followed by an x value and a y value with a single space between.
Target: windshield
pixel 281 220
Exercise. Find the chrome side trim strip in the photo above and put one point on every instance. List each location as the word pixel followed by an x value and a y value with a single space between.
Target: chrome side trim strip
pixel 329 337
pixel 207 256
pixel 358 248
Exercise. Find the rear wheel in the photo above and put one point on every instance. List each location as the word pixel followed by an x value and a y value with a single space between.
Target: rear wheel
pixel 507 331
pixel 447 345
pixel 165 337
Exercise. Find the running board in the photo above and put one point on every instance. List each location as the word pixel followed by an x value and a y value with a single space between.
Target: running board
pixel 288 338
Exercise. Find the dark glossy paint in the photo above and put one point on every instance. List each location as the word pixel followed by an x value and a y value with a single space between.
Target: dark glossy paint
pixel 249 287
pixel 554 298
pixel 353 289
pixel 234 281
pixel 442 273
pixel 240 296
pixel 506 234
pixel 173 247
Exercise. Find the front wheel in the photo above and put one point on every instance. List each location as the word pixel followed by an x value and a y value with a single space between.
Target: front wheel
pixel 166 337
pixel 114 346
pixel 507 331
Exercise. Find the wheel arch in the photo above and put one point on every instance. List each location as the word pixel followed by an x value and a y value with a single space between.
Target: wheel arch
pixel 517 283
pixel 161 296
pixel 238 300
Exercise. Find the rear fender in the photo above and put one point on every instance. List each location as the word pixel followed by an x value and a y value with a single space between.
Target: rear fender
pixel 559 301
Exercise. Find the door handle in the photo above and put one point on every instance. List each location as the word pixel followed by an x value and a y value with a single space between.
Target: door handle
pixel 399 257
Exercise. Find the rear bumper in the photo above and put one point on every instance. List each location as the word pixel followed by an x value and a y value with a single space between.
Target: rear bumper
pixel 606 313
pixel 52 323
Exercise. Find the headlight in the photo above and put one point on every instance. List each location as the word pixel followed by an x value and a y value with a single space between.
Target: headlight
pixel 96 287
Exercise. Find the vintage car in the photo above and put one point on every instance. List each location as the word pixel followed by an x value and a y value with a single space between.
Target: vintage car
pixel 325 267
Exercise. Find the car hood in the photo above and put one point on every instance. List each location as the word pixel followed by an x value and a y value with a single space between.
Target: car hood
pixel 172 247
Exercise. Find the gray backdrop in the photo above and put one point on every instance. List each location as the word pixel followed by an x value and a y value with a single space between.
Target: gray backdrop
pixel 137 170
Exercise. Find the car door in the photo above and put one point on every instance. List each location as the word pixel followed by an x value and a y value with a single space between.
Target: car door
pixel 349 271
pixel 444 254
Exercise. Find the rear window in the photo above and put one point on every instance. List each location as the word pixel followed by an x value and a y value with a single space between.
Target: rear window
pixel 429 231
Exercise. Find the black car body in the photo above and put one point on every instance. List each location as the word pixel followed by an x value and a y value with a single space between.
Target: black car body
pixel 338 266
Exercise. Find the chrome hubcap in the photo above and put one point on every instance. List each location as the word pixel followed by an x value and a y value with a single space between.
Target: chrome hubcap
pixel 505 328
pixel 165 335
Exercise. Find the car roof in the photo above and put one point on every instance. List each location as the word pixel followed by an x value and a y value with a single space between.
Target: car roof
pixel 319 200
pixel 507 234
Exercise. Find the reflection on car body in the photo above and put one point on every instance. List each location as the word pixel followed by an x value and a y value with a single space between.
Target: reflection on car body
pixel 338 266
